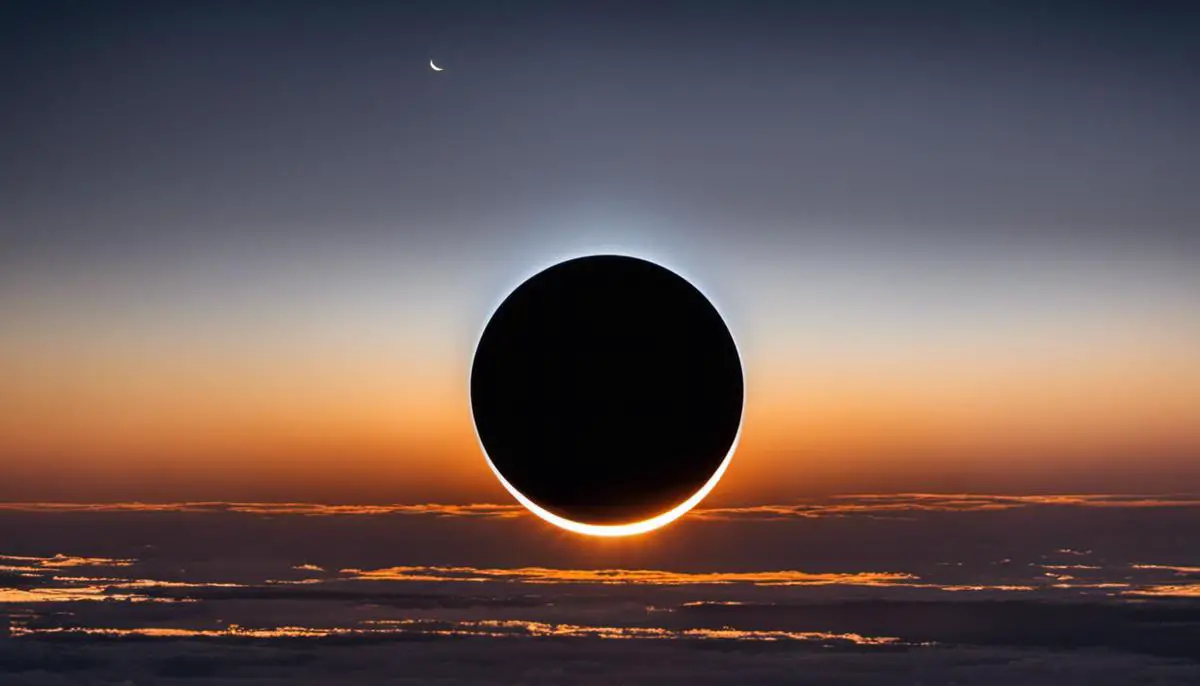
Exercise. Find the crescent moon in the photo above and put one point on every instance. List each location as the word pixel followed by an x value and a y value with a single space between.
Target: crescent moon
pixel 434 66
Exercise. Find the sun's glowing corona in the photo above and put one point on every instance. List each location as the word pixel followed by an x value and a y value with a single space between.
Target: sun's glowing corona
pixel 632 528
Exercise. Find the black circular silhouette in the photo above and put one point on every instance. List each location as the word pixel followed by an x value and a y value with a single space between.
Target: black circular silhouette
pixel 606 389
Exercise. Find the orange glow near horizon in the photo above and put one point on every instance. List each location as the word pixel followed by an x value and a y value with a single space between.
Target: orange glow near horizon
pixel 350 420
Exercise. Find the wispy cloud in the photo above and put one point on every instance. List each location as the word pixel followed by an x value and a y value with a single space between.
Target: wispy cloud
pixel 901 503
pixel 77 593
pixel 544 575
pixel 305 509
pixel 836 506
pixel 475 628
pixel 45 582
pixel 971 501
pixel 1167 591
pixel 59 561
pixel 1170 568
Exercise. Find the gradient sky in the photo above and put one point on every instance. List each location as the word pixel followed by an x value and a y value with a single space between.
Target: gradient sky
pixel 247 247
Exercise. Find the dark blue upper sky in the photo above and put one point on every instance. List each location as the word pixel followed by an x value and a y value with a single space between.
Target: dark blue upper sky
pixel 131 124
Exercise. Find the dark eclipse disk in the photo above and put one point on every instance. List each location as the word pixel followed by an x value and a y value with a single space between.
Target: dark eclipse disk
pixel 607 390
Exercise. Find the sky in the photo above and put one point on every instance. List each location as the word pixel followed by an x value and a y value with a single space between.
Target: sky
pixel 246 249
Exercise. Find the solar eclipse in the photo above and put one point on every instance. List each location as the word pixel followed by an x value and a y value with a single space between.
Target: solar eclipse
pixel 607 394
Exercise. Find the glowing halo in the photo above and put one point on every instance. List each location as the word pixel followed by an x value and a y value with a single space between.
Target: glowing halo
pixel 631 528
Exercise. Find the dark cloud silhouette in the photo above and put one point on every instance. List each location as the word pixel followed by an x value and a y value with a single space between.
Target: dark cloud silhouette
pixel 573 661
pixel 856 590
